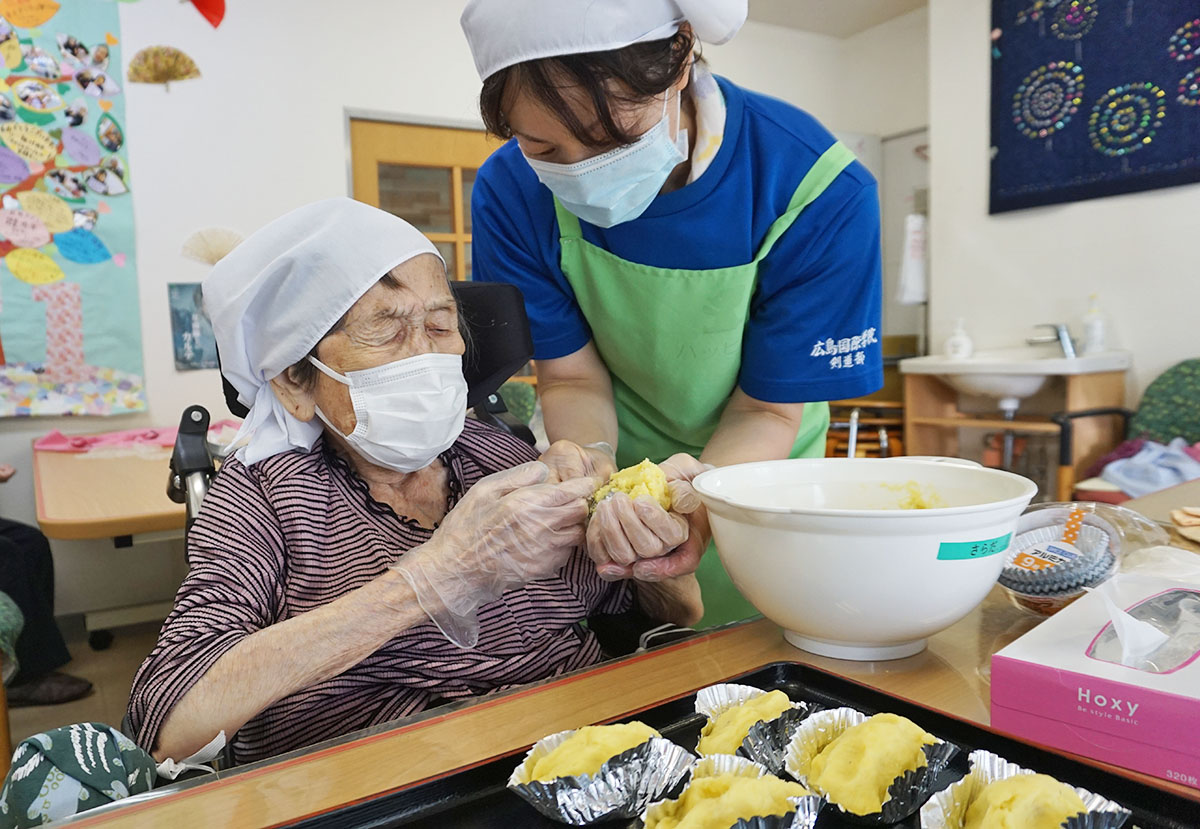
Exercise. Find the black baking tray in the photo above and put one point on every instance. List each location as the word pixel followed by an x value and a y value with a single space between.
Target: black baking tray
pixel 476 798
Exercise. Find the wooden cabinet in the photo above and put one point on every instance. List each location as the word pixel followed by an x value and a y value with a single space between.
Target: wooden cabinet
pixel 932 419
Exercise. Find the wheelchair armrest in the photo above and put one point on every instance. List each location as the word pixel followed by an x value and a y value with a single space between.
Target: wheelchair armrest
pixel 192 466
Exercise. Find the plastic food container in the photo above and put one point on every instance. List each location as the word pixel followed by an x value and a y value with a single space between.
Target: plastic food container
pixel 863 558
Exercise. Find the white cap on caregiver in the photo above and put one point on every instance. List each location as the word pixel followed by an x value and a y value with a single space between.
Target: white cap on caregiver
pixel 506 32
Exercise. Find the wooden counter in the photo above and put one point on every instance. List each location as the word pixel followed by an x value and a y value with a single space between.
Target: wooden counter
pixel 951 675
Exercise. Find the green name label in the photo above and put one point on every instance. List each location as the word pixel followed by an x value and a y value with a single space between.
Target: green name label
pixel 958 550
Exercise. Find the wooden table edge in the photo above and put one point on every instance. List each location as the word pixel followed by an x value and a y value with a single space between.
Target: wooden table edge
pixel 93 529
pixel 212 791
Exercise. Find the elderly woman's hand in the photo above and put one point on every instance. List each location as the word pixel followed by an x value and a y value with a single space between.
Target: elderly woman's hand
pixel 511 528
pixel 637 538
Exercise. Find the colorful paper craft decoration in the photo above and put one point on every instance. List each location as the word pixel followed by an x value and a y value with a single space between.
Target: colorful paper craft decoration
pixel 69 323
pixel 213 10
pixel 162 64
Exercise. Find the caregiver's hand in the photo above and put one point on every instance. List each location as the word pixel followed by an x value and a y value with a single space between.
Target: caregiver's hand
pixel 569 460
pixel 637 538
pixel 511 528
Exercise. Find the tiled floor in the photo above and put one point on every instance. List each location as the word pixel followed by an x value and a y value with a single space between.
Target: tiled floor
pixel 110 672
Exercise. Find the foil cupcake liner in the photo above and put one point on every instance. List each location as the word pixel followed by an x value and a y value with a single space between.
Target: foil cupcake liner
pixel 907 792
pixel 715 765
pixel 1049 602
pixel 947 809
pixel 592 503
pixel 715 700
pixel 1093 544
pixel 808 809
pixel 1050 581
pixel 770 737
pixel 767 741
pixel 803 817
pixel 622 788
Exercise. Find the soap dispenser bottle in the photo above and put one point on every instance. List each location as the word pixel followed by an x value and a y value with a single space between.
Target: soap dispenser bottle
pixel 1095 328
pixel 958 345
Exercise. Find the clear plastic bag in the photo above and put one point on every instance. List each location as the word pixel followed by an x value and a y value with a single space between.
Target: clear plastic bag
pixel 1133 530
pixel 1045 582
pixel 1175 613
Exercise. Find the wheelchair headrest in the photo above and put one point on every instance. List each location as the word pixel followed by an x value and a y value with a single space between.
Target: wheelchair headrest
pixel 499 342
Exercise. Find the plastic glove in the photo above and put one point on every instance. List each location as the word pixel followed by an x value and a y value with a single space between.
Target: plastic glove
pixel 509 529
pixel 569 460
pixel 637 538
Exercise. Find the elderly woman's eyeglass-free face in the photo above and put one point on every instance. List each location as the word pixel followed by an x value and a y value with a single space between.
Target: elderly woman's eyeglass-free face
pixel 389 324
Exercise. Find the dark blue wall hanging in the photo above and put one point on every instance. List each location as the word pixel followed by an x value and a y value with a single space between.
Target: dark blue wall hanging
pixel 1093 98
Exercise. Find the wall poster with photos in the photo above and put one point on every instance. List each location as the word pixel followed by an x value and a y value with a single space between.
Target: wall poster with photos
pixel 70 333
pixel 1093 98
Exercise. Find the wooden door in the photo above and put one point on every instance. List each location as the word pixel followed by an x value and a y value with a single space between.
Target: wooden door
pixel 424 175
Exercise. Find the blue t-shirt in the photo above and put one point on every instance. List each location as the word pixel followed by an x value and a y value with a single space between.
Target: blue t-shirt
pixel 814 319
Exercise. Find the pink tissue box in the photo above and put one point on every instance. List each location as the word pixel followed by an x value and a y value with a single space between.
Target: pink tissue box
pixel 1048 688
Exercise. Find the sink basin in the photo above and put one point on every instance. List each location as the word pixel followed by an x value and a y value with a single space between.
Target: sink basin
pixel 1012 373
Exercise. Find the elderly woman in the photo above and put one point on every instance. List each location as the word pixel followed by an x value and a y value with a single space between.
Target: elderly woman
pixel 364 522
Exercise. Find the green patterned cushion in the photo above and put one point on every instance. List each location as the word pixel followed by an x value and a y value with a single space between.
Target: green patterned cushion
pixel 70 770
pixel 1170 408
pixel 12 621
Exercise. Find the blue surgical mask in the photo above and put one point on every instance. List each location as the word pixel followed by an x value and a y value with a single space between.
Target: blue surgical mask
pixel 618 185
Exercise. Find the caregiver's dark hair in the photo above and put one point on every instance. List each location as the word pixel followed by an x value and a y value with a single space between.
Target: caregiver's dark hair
pixel 640 72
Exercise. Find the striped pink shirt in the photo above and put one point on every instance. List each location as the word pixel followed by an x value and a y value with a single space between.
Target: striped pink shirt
pixel 299 530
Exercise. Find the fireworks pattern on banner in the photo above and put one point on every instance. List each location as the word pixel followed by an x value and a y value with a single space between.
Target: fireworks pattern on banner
pixel 1036 11
pixel 1074 19
pixel 1048 98
pixel 1189 89
pixel 1185 43
pixel 1127 118
pixel 1133 126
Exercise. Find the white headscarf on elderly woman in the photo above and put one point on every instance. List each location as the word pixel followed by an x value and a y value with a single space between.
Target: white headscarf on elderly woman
pixel 274 296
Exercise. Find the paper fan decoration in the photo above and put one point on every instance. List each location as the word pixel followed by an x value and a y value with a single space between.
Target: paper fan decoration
pixel 211 245
pixel 161 64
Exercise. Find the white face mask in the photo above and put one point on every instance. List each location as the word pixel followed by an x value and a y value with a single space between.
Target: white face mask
pixel 618 185
pixel 409 411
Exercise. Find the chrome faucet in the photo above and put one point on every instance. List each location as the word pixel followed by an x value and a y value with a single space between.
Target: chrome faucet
pixel 1062 336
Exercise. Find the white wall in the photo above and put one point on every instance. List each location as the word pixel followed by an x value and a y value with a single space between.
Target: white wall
pixel 883 79
pixel 875 82
pixel 264 131
pixel 1005 273
pixel 799 67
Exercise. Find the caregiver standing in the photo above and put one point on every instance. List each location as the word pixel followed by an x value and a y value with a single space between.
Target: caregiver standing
pixel 700 262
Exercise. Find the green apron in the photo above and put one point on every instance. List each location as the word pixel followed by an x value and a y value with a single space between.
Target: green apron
pixel 672 341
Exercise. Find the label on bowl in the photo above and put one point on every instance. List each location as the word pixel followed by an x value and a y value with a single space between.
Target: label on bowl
pixel 959 550
pixel 1044 556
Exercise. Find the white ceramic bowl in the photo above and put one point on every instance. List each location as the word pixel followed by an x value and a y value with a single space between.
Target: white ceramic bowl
pixel 827 549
